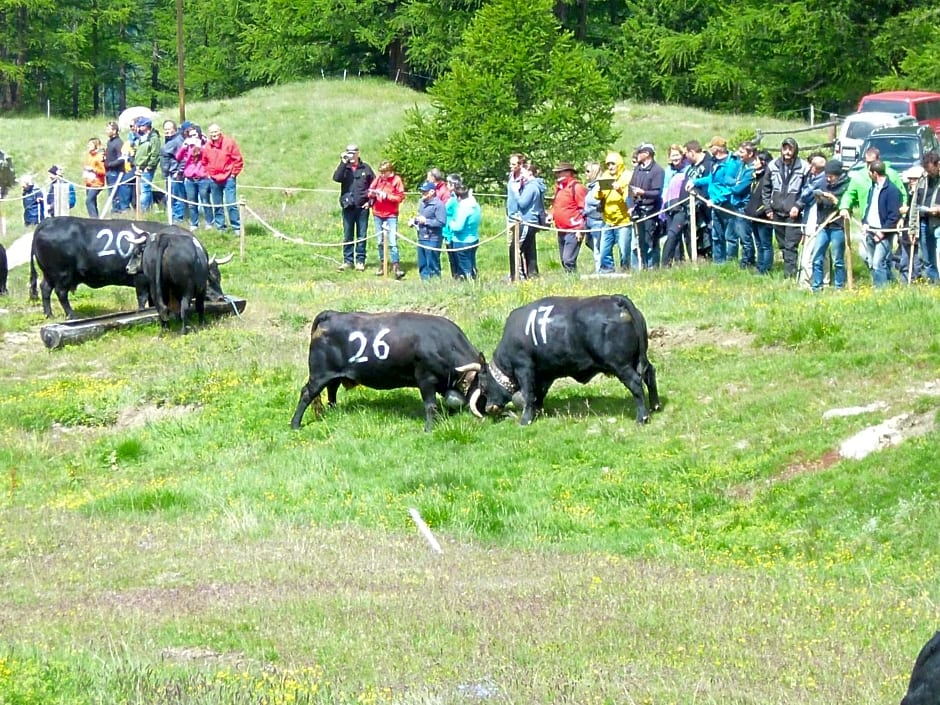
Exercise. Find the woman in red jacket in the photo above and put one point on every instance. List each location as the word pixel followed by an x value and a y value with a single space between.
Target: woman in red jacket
pixel 386 194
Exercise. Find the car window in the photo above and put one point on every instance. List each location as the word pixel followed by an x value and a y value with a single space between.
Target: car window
pixel 885 106
pixel 860 129
pixel 897 149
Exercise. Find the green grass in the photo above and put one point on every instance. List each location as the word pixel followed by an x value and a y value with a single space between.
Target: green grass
pixel 165 536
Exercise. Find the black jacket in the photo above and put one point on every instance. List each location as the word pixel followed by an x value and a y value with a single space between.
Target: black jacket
pixel 355 181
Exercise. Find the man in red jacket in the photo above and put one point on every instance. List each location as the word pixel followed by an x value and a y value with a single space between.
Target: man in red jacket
pixel 568 214
pixel 224 163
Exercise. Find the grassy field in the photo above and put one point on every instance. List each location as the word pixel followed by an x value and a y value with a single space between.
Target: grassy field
pixel 166 538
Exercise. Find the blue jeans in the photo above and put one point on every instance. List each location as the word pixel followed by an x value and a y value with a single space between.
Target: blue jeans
pixel 594 237
pixel 465 256
pixel 623 236
pixel 735 234
pixel 879 255
pixel 197 196
pixel 355 231
pixel 177 190
pixel 429 260
pixel 836 237
pixel 222 195
pixel 722 223
pixel 745 232
pixel 764 234
pixel 146 190
pixel 91 201
pixel 121 201
pixel 391 226
pixel 928 252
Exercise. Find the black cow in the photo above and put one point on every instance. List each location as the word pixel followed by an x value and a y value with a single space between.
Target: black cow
pixel 924 686
pixel 180 273
pixel 567 337
pixel 71 251
pixel 4 270
pixel 389 351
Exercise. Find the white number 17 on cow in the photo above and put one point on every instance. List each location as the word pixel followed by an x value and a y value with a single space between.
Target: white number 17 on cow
pixel 379 347
pixel 540 316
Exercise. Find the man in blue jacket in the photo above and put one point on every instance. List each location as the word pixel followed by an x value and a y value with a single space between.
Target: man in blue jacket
pixel 880 222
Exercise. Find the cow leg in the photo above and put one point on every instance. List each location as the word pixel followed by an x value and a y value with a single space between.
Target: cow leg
pixel 429 397
pixel 307 395
pixel 184 312
pixel 62 294
pixel 649 376
pixel 631 380
pixel 201 308
pixel 46 291
pixel 331 388
pixel 530 395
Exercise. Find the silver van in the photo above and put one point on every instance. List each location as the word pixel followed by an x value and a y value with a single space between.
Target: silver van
pixel 857 126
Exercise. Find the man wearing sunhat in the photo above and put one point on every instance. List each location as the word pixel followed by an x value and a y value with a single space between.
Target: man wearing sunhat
pixel 568 214
pixel 354 177
pixel 646 189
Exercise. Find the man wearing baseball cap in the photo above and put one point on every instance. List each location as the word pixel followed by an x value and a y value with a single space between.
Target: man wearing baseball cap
pixel 354 177
pixel 646 188
pixel 781 192
pixel 432 215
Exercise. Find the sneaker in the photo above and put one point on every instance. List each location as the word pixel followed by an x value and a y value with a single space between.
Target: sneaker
pixel 400 274
pixel 360 266
pixel 344 266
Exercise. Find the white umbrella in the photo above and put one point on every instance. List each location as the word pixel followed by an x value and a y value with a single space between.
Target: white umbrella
pixel 127 118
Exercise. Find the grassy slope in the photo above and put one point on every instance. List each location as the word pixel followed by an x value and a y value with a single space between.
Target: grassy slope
pixel 715 555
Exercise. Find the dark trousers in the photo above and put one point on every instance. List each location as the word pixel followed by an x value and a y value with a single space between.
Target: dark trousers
pixel 678 245
pixel 569 246
pixel 529 265
pixel 788 234
pixel 355 230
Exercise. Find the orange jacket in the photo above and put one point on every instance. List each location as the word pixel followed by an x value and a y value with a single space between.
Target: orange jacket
pixel 93 169
pixel 568 206
pixel 387 193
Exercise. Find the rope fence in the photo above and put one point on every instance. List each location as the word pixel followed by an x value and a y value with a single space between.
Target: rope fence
pixel 508 233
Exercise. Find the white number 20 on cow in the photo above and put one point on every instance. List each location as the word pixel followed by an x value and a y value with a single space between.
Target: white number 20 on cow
pixel 537 322
pixel 379 347
pixel 115 243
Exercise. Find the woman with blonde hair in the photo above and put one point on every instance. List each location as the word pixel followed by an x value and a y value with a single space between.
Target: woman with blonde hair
pixel 593 212
pixel 93 173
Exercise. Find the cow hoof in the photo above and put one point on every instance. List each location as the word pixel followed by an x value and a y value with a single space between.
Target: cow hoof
pixel 657 407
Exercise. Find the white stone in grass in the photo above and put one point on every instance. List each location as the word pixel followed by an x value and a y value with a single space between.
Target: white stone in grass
pixel 855 410
pixel 884 435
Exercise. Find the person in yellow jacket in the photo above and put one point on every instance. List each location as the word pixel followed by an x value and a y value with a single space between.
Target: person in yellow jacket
pixel 612 194
pixel 93 174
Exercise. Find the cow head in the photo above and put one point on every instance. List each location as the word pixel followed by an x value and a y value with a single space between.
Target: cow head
pixel 214 285
pixel 494 390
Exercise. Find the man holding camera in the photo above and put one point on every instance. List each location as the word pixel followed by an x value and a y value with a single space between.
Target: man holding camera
pixel 354 177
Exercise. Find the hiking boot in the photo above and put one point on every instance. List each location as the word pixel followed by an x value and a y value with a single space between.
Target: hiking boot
pixel 399 272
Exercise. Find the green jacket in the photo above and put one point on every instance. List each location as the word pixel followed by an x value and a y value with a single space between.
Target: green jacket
pixel 856 195
pixel 147 156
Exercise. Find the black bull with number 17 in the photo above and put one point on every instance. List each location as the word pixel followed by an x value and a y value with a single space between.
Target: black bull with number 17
pixel 577 337
pixel 389 351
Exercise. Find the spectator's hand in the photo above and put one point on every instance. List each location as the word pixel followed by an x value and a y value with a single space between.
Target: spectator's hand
pixel 689 186
pixel 844 213
pixel 794 212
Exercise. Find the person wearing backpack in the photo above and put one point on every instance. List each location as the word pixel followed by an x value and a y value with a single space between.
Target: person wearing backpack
pixel 568 214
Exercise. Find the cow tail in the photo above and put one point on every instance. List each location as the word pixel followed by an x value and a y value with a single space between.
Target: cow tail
pixel 33 292
pixel 162 244
pixel 641 330
pixel 321 318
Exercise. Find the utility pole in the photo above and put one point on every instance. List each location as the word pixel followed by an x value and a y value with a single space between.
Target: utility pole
pixel 179 60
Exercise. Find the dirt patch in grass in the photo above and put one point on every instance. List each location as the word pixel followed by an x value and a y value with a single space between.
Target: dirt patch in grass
pixel 690 337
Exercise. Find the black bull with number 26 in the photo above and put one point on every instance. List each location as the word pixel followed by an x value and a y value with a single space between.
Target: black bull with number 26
pixel 577 337
pixel 389 351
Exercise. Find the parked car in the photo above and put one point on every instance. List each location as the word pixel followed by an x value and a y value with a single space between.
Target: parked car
pixel 923 105
pixel 857 126
pixel 903 146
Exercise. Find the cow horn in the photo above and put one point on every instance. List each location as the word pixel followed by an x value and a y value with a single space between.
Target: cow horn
pixel 223 260
pixel 472 403
pixel 470 366
pixel 137 240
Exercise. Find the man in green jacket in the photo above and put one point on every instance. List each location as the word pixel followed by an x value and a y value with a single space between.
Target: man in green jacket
pixel 147 158
pixel 856 195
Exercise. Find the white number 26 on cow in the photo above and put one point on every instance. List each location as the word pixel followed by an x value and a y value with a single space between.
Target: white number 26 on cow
pixel 379 347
